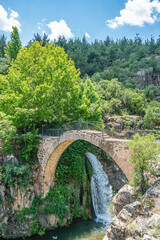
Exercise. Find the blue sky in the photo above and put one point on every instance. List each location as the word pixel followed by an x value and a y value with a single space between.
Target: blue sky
pixel 94 18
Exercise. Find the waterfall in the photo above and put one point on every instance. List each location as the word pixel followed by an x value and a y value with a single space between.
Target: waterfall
pixel 101 190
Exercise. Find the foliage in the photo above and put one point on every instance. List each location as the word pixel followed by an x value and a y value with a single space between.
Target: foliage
pixel 151 91
pixel 44 81
pixel 4 65
pixel 144 156
pixel 134 102
pixel 3 45
pixel 152 116
pixel 91 102
pixel 27 152
pixel 14 45
pixel 14 175
pixel 72 164
pixel 7 133
pixel 35 228
pixel 37 38
pixel 114 99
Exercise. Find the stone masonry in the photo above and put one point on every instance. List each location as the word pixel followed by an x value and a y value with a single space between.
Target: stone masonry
pixel 51 148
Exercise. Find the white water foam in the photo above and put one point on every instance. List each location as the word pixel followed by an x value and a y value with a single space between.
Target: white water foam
pixel 101 190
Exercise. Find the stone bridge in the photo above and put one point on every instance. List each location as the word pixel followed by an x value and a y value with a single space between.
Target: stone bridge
pixel 51 149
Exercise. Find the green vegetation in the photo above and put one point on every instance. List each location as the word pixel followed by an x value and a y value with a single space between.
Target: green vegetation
pixel 13 175
pixel 66 199
pixel 14 45
pixel 152 116
pixel 51 84
pixel 144 156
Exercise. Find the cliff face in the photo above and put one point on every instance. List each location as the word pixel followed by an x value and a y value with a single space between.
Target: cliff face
pixel 13 200
pixel 146 77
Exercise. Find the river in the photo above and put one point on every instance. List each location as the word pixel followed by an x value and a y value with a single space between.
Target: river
pixel 82 230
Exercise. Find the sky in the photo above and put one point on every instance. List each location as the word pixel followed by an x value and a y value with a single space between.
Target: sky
pixel 94 19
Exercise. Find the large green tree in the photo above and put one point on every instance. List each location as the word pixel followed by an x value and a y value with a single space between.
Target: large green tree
pixel 43 81
pixel 14 45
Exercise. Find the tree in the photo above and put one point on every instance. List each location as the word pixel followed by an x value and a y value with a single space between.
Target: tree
pixel 134 102
pixel 152 116
pixel 2 45
pixel 151 91
pixel 91 102
pixel 110 93
pixel 144 156
pixel 43 81
pixel 38 38
pixel 14 45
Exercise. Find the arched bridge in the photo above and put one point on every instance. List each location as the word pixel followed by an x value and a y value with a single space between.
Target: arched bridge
pixel 55 141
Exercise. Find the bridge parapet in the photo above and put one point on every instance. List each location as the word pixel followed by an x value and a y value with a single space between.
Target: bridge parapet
pixel 76 125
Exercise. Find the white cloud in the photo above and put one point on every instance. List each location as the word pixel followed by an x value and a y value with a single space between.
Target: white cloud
pixel 59 29
pixel 42 26
pixel 87 35
pixel 136 13
pixel 8 20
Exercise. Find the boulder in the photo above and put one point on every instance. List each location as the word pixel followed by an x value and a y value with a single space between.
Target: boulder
pixel 117 230
pixel 153 220
pixel 125 195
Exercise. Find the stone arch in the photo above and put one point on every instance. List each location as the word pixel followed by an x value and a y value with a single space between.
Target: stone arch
pixel 51 149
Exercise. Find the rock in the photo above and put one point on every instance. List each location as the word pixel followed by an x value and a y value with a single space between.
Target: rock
pixel 117 230
pixel 130 211
pixel 2 194
pixel 153 196
pixel 153 220
pixel 48 220
pixel 125 195
pixel 139 231
pixel 10 158
pixel 147 237
pixel 105 238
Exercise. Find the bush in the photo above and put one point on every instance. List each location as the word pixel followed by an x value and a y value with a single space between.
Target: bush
pixel 152 116
pixel 13 175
